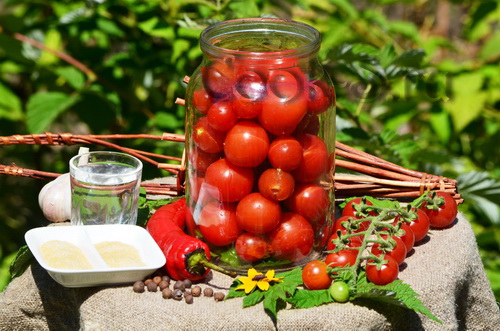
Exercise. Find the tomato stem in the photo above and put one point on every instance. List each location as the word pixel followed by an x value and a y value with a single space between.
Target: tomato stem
pixel 199 259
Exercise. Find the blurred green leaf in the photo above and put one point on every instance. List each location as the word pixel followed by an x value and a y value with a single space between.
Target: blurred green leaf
pixel 10 105
pixel 43 108
pixel 483 191
pixel 72 76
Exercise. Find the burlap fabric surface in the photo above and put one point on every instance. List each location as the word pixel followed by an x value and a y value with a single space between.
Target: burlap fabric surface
pixel 446 271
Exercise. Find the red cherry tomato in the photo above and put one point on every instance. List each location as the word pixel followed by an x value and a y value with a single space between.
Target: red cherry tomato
pixel 257 214
pixel 340 224
pixel 319 97
pixel 420 225
pixel 315 277
pixel 221 116
pixel 218 78
pixel 314 159
pixel 206 138
pixel 230 182
pixel 202 101
pixel 293 239
pixel 248 93
pixel 398 252
pixel 308 124
pixel 251 247
pixel 408 238
pixel 354 241
pixel 200 160
pixel 350 208
pixel 387 273
pixel 342 258
pixel 285 153
pixel 285 104
pixel 445 214
pixel 276 184
pixel 195 181
pixel 246 144
pixel 310 201
pixel 217 223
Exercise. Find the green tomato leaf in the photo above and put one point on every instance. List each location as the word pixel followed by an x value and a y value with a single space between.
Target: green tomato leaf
pixel 308 299
pixel 44 107
pixel 253 298
pixel 411 58
pixel 21 261
pixel 396 293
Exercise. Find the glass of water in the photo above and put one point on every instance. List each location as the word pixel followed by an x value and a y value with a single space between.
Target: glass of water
pixel 104 188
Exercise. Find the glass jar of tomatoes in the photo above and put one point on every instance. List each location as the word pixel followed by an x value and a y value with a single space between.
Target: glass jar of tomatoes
pixel 260 140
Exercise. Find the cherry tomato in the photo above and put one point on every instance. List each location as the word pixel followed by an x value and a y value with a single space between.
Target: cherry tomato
pixel 217 223
pixel 445 214
pixel 251 247
pixel 342 258
pixel 285 104
pixel 293 239
pixel 202 101
pixel 354 241
pixel 408 238
pixel 200 160
pixel 350 208
pixel 339 291
pixel 221 116
pixel 420 225
pixel 398 252
pixel 340 224
pixel 248 93
pixel 315 277
pixel 230 182
pixel 276 184
pixel 308 124
pixel 387 273
pixel 246 144
pixel 285 153
pixel 319 97
pixel 206 138
pixel 310 201
pixel 257 214
pixel 218 78
pixel 314 159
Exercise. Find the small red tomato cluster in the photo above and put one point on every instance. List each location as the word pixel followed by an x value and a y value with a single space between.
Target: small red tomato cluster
pixel 411 229
pixel 256 158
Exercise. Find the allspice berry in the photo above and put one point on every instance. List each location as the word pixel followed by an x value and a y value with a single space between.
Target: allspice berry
pixel 188 298
pixel 157 279
pixel 152 287
pixel 208 292
pixel 196 291
pixel 167 293
pixel 178 295
pixel 219 296
pixel 188 283
pixel 138 287
pixel 179 285
pixel 163 285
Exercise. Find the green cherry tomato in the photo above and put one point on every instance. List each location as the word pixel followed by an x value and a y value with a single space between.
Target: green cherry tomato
pixel 339 291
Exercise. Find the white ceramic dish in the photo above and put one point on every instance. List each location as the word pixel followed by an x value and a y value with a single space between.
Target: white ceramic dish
pixel 85 237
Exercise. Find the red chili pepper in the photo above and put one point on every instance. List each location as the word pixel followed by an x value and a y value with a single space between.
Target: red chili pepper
pixel 187 257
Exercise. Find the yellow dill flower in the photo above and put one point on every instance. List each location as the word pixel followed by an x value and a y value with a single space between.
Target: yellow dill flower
pixel 258 279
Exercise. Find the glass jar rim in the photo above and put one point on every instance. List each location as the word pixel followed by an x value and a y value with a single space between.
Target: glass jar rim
pixel 213 33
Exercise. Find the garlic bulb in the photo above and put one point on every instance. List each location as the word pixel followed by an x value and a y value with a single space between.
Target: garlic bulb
pixel 55 199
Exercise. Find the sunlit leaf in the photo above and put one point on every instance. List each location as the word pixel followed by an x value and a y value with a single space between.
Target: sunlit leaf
pixel 44 107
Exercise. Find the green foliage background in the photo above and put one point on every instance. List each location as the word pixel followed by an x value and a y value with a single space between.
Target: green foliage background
pixel 417 81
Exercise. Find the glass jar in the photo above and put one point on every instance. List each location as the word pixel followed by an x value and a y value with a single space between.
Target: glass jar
pixel 260 141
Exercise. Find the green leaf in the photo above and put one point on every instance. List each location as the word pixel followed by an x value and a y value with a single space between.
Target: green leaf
pixel 396 293
pixel 272 299
pixel 346 8
pixel 109 27
pixel 308 299
pixel 253 298
pixel 10 105
pixel 44 107
pixel 484 191
pixel 491 48
pixel 440 122
pixel 72 76
pixel 464 108
pixel 411 58
pixel 21 261
pixel 157 28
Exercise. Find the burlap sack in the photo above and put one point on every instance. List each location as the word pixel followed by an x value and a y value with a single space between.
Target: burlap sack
pixel 446 271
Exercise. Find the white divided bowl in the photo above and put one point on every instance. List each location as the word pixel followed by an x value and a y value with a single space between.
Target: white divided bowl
pixel 85 237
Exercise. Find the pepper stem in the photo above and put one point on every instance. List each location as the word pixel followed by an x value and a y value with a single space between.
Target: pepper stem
pixel 198 261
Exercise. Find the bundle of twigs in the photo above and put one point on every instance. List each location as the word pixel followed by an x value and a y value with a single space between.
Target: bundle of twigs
pixel 373 176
